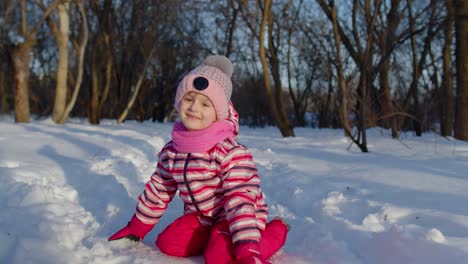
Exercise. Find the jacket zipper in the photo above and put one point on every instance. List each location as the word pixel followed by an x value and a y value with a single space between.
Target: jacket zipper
pixel 188 186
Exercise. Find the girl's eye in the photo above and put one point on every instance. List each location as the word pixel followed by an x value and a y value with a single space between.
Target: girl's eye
pixel 207 104
pixel 188 99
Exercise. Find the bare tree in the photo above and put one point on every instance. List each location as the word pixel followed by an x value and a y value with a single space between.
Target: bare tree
pixel 461 54
pixel 102 59
pixel 80 52
pixel 362 54
pixel 318 54
pixel 386 39
pixel 62 37
pixel 418 63
pixel 293 66
pixel 270 61
pixel 301 95
pixel 61 33
pixel 21 57
pixel 341 79
pixel 135 89
pixel 232 15
pixel 100 89
pixel 446 123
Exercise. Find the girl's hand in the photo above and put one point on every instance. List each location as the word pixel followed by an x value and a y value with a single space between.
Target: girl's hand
pixel 124 233
pixel 135 230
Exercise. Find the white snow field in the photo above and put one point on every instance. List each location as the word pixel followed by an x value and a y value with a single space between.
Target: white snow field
pixel 65 189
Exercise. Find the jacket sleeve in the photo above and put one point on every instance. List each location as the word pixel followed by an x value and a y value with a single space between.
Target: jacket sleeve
pixel 241 189
pixel 158 193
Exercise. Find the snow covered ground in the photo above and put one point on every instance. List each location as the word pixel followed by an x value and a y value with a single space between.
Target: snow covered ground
pixel 65 189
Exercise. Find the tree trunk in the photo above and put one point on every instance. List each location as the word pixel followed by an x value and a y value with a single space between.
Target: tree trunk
pixel 21 58
pixel 387 105
pixel 108 80
pixel 98 96
pixel 4 107
pixel 298 99
pixel 343 99
pixel 447 94
pixel 362 109
pixel 276 101
pixel 80 52
pixel 325 112
pixel 343 89
pixel 231 28
pixel 361 56
pixel 62 38
pixel 387 39
pixel 300 121
pixel 461 55
pixel 93 113
pixel 416 74
pixel 135 89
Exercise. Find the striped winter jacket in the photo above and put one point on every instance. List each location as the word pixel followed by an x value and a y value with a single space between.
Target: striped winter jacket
pixel 221 184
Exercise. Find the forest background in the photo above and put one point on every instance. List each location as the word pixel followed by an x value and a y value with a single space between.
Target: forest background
pixel 397 64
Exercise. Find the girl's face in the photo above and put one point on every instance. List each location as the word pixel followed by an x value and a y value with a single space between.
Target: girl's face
pixel 196 111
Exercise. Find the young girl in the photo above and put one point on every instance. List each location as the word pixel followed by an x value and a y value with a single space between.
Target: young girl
pixel 224 209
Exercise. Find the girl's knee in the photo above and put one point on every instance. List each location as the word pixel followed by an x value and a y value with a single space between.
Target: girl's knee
pixel 220 249
pixel 273 237
pixel 183 238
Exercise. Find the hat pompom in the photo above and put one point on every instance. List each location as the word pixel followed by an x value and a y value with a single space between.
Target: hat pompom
pixel 220 62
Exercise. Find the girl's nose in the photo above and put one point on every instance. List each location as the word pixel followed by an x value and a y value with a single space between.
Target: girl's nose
pixel 193 106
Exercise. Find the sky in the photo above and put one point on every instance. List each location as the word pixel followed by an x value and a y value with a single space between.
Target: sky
pixel 66 188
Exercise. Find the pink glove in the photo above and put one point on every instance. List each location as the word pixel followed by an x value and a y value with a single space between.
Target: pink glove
pixel 135 230
pixel 249 253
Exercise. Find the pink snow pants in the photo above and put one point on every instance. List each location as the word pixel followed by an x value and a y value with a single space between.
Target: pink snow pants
pixel 186 237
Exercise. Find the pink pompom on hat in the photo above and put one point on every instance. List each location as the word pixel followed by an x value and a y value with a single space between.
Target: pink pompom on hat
pixel 212 79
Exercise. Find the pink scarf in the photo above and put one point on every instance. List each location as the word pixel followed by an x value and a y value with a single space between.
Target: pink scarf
pixel 200 140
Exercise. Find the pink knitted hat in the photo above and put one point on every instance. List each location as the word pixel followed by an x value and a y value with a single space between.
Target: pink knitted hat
pixel 212 79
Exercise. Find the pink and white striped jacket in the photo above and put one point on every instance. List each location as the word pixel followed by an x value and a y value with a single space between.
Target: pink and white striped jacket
pixel 221 184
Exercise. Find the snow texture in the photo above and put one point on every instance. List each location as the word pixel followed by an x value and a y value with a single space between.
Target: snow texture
pixel 65 189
